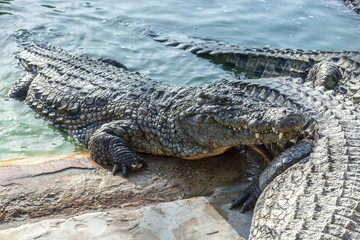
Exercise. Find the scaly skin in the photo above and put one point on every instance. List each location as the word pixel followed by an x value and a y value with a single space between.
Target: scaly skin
pixel 305 193
pixel 115 112
pixel 318 198
pixel 337 70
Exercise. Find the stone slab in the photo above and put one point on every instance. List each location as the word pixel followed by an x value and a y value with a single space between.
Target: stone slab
pixel 195 218
pixel 65 189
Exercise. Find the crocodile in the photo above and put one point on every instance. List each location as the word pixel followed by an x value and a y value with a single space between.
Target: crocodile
pixel 317 197
pixel 115 112
pixel 335 70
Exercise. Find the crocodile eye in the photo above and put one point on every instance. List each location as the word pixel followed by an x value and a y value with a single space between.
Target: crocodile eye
pixel 203 98
pixel 204 95
pixel 222 99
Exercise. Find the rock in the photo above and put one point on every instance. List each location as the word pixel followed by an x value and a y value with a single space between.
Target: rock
pixel 194 218
pixel 72 196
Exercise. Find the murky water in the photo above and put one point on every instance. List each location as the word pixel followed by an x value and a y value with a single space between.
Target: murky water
pixel 116 29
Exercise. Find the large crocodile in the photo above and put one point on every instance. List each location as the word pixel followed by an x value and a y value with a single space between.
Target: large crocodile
pixel 316 198
pixel 115 112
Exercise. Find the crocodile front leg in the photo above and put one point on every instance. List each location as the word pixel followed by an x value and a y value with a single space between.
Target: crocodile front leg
pixel 289 157
pixel 110 145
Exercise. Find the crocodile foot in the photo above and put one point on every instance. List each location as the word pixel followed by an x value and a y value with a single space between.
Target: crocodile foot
pixel 131 164
pixel 247 198
pixel 109 145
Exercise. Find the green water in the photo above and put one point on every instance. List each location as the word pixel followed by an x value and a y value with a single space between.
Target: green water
pixel 116 29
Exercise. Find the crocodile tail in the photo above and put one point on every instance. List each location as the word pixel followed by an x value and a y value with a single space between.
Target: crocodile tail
pixel 258 62
pixel 266 62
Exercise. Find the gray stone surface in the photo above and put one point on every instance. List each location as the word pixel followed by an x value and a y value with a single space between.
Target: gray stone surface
pixel 193 218
pixel 171 199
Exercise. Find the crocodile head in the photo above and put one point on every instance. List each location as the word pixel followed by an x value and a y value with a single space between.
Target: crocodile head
pixel 218 122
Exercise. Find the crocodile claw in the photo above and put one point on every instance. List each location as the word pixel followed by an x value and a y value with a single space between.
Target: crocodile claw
pixel 116 168
pixel 247 199
pixel 124 170
pixel 131 165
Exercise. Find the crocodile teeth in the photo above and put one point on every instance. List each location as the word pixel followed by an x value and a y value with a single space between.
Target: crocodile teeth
pixel 234 129
pixel 257 135
pixel 273 129
pixel 281 135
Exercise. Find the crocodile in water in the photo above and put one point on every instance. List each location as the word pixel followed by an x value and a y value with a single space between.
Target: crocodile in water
pixel 115 112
